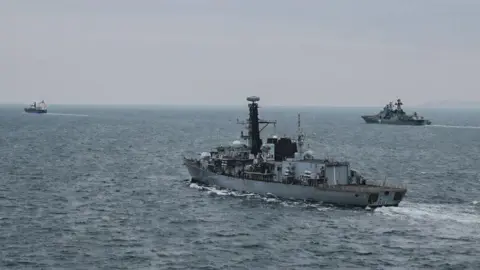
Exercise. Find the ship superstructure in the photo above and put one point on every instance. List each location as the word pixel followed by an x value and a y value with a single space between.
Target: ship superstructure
pixel 391 115
pixel 282 167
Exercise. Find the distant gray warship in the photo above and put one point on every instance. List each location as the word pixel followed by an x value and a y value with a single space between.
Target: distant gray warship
pixel 280 167
pixel 41 107
pixel 397 116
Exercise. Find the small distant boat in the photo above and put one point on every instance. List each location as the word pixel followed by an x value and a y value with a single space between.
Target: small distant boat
pixel 41 107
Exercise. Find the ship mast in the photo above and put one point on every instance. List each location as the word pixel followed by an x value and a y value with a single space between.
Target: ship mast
pixel 300 136
pixel 399 105
pixel 253 126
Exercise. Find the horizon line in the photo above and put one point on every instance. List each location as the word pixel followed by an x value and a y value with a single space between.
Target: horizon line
pixel 183 105
pixel 233 105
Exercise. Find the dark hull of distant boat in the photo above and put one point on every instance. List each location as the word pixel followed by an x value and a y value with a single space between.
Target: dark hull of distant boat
pixel 33 110
pixel 373 119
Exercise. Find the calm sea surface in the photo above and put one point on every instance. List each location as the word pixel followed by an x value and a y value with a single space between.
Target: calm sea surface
pixel 104 188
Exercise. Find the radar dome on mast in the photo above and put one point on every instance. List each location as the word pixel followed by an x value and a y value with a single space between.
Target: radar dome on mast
pixel 253 99
pixel 308 154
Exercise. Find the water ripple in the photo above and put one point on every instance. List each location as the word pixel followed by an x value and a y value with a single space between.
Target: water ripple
pixel 108 191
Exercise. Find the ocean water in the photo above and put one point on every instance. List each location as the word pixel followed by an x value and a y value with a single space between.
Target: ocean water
pixel 104 188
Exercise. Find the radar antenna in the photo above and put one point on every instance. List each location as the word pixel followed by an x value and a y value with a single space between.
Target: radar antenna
pixel 253 126
pixel 399 104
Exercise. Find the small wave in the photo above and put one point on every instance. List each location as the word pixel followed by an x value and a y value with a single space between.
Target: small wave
pixel 451 126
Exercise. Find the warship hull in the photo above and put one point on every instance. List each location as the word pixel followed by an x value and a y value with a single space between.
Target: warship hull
pixel 373 119
pixel 348 195
pixel 32 110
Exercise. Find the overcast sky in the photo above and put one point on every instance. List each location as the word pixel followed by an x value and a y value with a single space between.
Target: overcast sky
pixel 298 52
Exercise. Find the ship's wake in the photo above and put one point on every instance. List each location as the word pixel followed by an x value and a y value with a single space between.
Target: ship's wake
pixel 67 114
pixel 452 126
pixel 467 214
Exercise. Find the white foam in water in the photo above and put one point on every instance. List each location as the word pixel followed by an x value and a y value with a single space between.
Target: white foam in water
pixel 221 192
pixel 448 126
pixel 193 185
pixel 432 213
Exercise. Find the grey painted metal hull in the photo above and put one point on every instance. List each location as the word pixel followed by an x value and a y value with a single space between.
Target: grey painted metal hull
pixel 353 195
pixel 373 119
pixel 33 110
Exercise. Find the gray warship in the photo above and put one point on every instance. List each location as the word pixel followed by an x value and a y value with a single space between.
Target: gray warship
pixel 282 168
pixel 41 107
pixel 395 116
